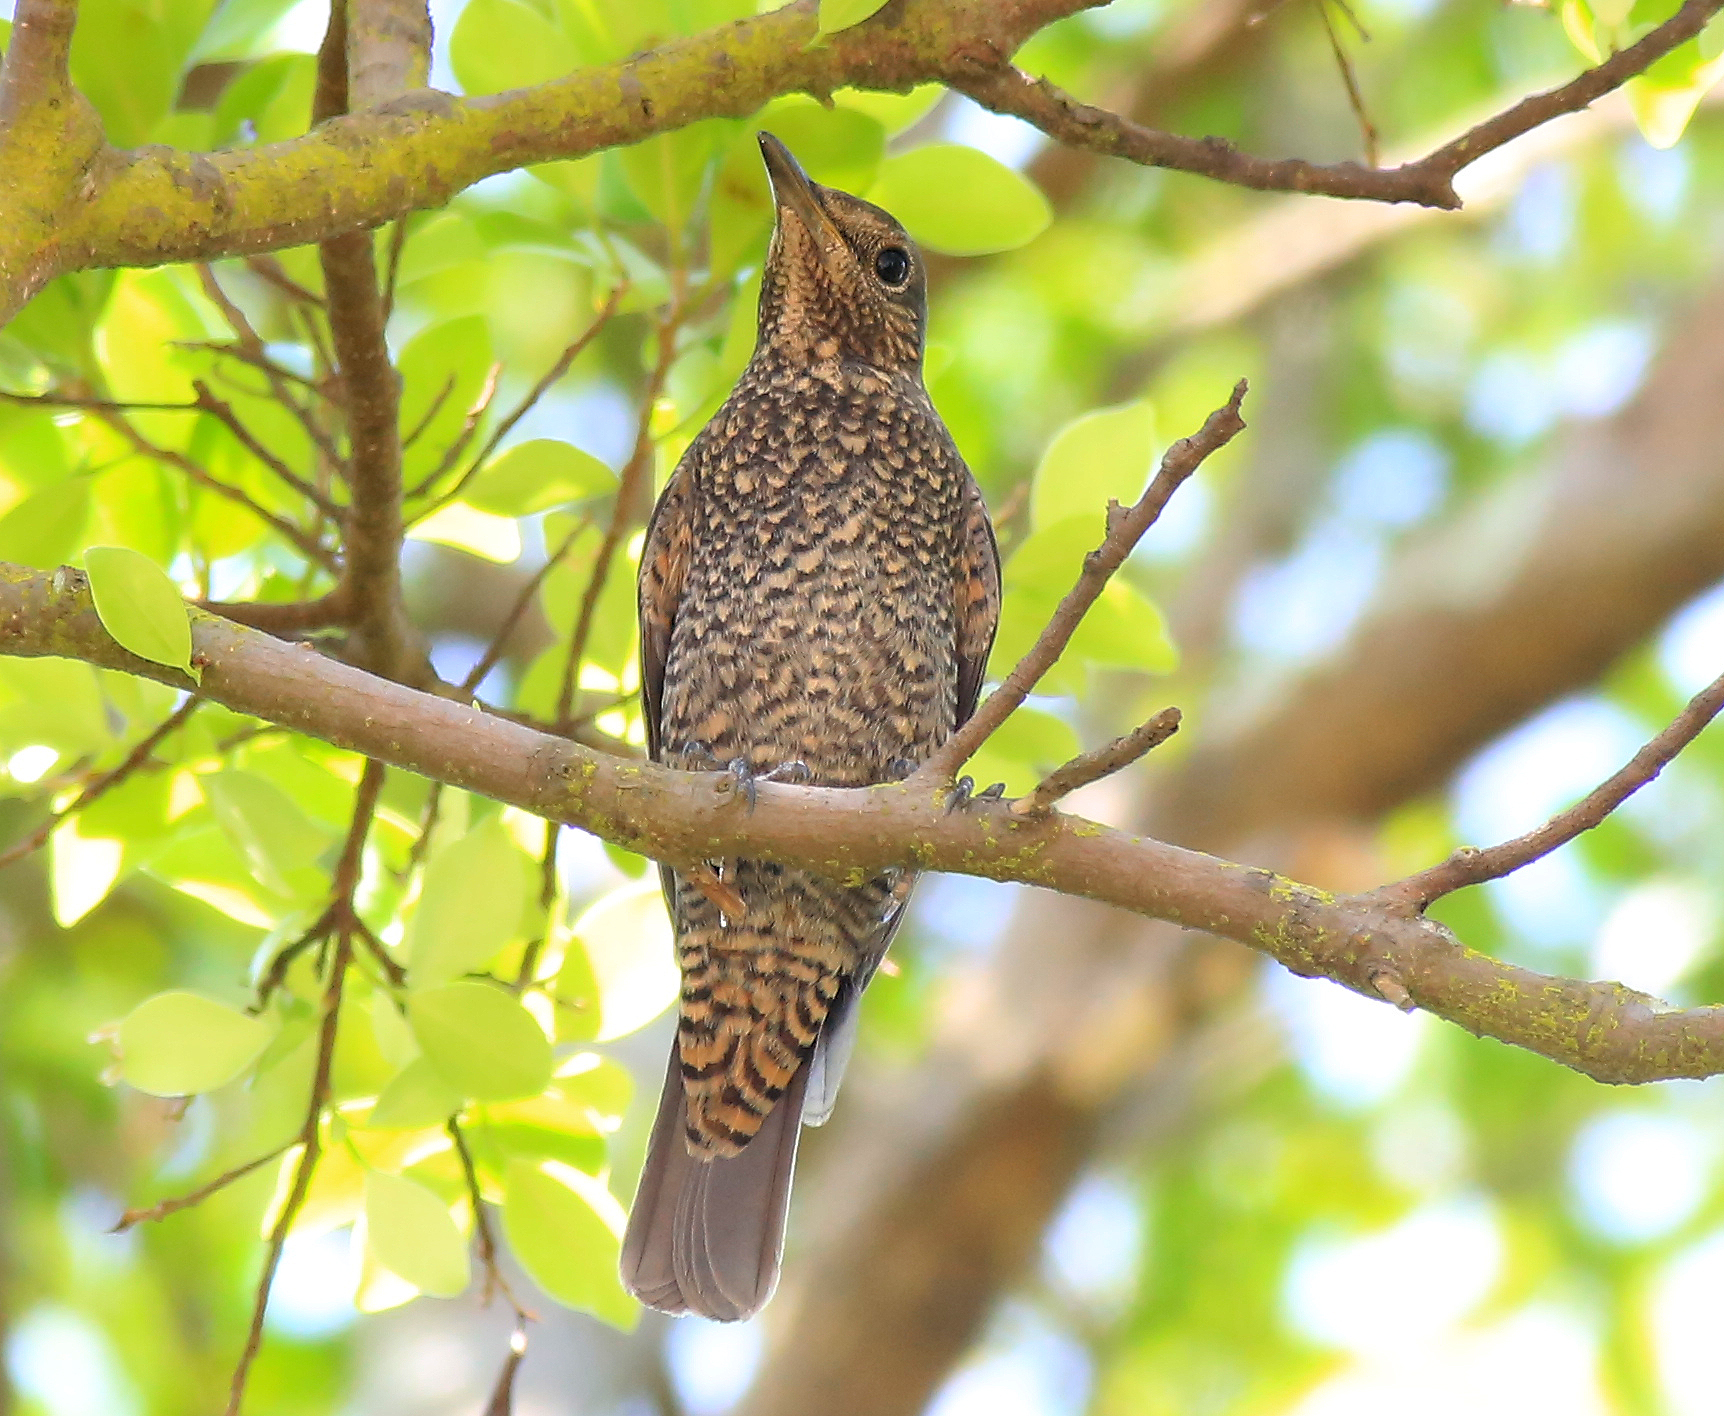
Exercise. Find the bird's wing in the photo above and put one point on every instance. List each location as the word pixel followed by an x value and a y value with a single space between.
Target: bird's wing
pixel 978 599
pixel 664 564
pixel 978 591
pixel 837 1038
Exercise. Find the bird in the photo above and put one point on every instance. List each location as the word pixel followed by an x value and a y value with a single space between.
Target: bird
pixel 818 593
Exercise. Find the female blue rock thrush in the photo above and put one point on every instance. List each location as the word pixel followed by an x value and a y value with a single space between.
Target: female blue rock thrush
pixel 818 594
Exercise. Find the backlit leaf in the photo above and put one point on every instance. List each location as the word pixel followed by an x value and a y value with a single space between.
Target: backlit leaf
pixel 536 476
pixel 469 905
pixel 140 606
pixel 838 15
pixel 179 1044
pixel 412 1234
pixel 960 201
pixel 566 1230
pixel 626 944
pixel 481 1041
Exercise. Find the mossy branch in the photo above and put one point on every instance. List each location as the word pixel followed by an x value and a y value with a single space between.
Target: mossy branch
pixel 1609 1032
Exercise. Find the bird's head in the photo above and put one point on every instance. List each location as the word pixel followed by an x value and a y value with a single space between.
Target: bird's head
pixel 842 279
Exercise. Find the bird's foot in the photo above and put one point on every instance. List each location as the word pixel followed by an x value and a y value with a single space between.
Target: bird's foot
pixel 964 794
pixel 794 772
pixel 698 757
pixel 902 769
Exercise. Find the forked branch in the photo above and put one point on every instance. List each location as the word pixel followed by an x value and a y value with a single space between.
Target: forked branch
pixel 1125 528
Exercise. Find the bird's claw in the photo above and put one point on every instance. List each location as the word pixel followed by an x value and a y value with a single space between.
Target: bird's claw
pixel 747 779
pixel 964 794
pixel 902 769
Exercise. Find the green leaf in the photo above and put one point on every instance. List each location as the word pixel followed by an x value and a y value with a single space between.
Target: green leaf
pixel 411 1233
pixel 566 1229
pixel 503 44
pixel 667 172
pixel 280 843
pixel 838 15
pixel 470 905
pixel 958 200
pixel 46 527
pixel 82 870
pixel 839 147
pixel 481 1041
pixel 180 1044
pixel 141 607
pixel 893 111
pixel 1102 456
pixel 1665 97
pixel 627 952
pixel 488 536
pixel 416 1097
pixel 536 476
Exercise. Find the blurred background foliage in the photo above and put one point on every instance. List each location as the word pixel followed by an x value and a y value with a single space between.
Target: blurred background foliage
pixel 1355 1211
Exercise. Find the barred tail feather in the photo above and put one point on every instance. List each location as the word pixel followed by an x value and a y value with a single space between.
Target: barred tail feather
pixel 705 1235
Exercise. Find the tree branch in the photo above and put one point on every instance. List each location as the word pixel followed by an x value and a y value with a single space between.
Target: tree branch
pixel 1102 762
pixel 1125 528
pixel 1472 866
pixel 155 205
pixel 36 73
pixel 99 788
pixel 1609 1032
pixel 1429 181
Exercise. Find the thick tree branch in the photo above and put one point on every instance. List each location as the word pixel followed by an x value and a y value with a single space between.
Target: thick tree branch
pixel 1125 528
pixel 370 588
pixel 1609 1032
pixel 1429 181
pixel 155 205
pixel 36 73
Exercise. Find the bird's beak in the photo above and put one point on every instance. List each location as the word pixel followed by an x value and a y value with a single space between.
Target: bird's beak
pixel 793 192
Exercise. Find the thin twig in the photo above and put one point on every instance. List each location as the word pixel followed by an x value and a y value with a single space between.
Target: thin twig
pixel 548 895
pixel 392 267
pixel 476 411
pixel 1473 866
pixel 308 546
pixel 1356 99
pixel 1429 181
pixel 624 511
pixel 309 1139
pixel 272 272
pixel 344 883
pixel 252 351
pixel 163 1208
pixel 432 409
pixel 502 1402
pixel 495 650
pixel 133 760
pixel 1125 527
pixel 526 405
pixel 1102 762
pixel 224 414
pixel 237 351
pixel 73 400
pixel 484 1236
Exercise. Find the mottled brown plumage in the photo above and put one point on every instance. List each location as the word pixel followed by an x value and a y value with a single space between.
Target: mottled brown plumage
pixel 819 586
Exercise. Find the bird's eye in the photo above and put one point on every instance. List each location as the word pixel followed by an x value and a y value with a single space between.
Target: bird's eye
pixel 892 265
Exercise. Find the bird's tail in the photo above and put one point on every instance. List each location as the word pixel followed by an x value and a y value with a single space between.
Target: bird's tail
pixel 705 1234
